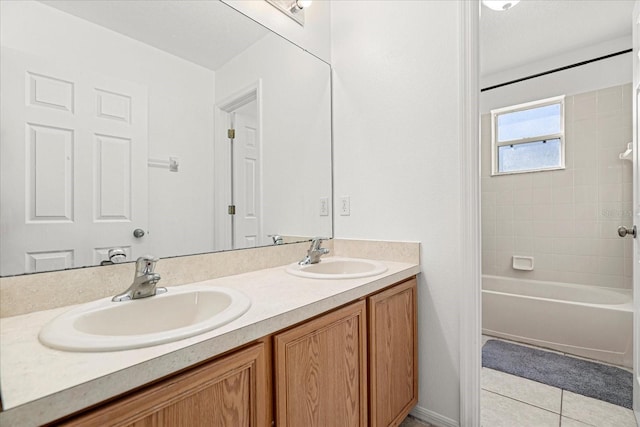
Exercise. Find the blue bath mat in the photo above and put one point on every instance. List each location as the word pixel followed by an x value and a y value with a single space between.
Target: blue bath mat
pixel 602 382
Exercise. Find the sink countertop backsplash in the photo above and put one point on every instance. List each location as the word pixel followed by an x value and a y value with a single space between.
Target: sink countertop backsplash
pixel 39 385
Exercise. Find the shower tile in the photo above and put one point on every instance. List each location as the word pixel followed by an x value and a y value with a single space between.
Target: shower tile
pixel 627 98
pixel 627 176
pixel 543 261
pixel 585 106
pixel 523 245
pixel 611 248
pixel 610 99
pixel 488 198
pixel 562 195
pixel 504 213
pixel 522 389
pixel 587 229
pixel 609 229
pixel 542 212
pixel 596 412
pixel 504 228
pixel 628 248
pixel 616 138
pixel 584 132
pixel 563 228
pixel 585 157
pixel 542 195
pixel 500 411
pixel 584 177
pixel 522 212
pixel 586 246
pixel 488 228
pixel 611 265
pixel 610 174
pixel 504 263
pixel 488 213
pixel 504 243
pixel 563 246
pixel 585 193
pixel 609 157
pixel 542 245
pixel 488 243
pixel 521 181
pixel 628 267
pixel 611 211
pixel 543 229
pixel 610 193
pixel 608 123
pixel 504 197
pixel 523 228
pixel 541 180
pixel 586 211
pixel 562 178
pixel 488 267
pixel 563 212
pixel 523 196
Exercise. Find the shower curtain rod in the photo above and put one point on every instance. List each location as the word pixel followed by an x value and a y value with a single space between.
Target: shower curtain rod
pixel 555 70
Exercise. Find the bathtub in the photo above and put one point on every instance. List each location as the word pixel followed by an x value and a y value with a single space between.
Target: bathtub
pixel 582 320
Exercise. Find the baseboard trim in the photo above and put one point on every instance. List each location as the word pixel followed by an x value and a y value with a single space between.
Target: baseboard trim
pixel 433 417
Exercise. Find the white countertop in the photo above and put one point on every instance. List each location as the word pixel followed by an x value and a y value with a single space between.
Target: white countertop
pixel 39 384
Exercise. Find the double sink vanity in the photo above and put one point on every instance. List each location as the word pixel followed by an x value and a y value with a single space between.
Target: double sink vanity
pixel 328 343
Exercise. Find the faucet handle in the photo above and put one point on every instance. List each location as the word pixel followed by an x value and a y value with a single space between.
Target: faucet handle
pixel 316 242
pixel 146 264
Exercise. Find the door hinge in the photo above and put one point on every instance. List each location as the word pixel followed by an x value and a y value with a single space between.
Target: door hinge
pixel 231 133
pixel 232 209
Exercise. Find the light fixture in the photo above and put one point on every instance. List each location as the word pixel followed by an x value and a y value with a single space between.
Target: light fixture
pixel 500 5
pixel 298 5
pixel 294 9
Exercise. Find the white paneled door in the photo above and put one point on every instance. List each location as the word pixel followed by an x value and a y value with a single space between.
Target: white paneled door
pixel 636 211
pixel 247 178
pixel 73 171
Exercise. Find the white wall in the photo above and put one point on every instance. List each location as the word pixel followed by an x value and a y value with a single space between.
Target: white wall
pixel 596 75
pixel 396 154
pixel 315 36
pixel 296 131
pixel 180 113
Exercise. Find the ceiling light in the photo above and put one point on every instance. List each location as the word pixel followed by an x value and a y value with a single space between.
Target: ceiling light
pixel 500 5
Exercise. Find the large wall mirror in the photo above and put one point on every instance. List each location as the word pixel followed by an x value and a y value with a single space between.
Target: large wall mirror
pixel 115 133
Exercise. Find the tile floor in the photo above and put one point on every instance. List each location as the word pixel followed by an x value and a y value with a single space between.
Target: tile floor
pixel 509 401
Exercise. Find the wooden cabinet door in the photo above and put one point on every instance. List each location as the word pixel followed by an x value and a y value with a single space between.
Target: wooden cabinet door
pixel 393 354
pixel 231 391
pixel 321 374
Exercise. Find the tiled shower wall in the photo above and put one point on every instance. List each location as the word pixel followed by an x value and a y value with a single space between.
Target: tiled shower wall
pixel 567 219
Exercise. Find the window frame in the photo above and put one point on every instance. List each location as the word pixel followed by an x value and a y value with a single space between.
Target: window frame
pixel 521 107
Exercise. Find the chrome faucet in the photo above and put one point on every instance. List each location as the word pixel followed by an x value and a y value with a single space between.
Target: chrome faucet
pixel 144 281
pixel 315 252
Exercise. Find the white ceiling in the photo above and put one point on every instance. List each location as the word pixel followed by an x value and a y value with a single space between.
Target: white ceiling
pixel 208 33
pixel 192 29
pixel 537 29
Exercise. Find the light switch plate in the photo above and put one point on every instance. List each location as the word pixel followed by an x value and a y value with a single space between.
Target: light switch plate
pixel 324 206
pixel 345 205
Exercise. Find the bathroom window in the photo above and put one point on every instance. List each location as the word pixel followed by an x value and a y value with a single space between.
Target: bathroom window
pixel 528 137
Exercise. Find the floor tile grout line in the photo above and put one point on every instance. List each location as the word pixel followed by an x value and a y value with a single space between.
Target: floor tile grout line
pixel 561 402
pixel 521 401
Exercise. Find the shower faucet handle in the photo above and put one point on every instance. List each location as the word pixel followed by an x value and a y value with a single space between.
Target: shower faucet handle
pixel 624 231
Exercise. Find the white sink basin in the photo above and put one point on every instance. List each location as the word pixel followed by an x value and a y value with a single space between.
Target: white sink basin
pixel 338 268
pixel 181 312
